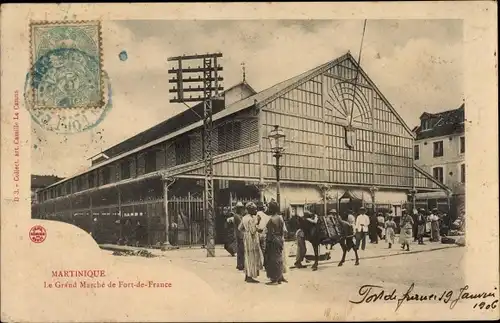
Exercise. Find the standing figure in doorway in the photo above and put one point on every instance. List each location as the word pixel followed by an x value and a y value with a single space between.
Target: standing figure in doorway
pixel 253 253
pixel 362 223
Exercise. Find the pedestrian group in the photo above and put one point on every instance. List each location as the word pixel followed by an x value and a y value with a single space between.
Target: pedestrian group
pixel 257 235
pixel 260 241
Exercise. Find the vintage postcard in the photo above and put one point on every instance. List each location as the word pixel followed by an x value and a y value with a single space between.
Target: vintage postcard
pixel 249 162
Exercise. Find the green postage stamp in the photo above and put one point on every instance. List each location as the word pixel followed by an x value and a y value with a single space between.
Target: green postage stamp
pixel 66 64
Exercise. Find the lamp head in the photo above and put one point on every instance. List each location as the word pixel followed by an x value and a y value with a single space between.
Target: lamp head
pixel 277 139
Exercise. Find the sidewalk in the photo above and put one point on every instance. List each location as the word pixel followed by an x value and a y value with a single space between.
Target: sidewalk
pixel 379 250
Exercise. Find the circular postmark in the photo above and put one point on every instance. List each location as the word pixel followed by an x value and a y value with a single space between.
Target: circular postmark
pixel 66 78
pixel 59 86
pixel 38 234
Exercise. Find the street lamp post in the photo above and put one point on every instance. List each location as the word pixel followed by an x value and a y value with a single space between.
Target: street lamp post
pixel 413 193
pixel 277 139
pixel 373 190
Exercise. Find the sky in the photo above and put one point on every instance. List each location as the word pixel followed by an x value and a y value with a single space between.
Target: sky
pixel 417 64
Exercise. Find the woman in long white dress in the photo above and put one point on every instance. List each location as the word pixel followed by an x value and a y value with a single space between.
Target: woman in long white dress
pixel 406 231
pixel 253 252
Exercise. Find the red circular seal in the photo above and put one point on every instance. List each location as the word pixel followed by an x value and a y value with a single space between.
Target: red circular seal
pixel 38 234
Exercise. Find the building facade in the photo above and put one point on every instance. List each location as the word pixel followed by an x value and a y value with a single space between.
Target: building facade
pixel 440 150
pixel 344 142
pixel 39 182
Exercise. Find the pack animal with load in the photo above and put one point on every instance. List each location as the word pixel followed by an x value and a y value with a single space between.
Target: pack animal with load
pixel 329 230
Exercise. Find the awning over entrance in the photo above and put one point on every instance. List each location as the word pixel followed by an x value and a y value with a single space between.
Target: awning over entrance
pixel 350 195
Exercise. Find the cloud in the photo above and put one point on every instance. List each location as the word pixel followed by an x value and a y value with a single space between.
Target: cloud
pixel 417 64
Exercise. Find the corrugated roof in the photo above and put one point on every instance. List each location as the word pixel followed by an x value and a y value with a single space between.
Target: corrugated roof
pixel 443 123
pixel 170 125
pixel 41 181
pixel 180 120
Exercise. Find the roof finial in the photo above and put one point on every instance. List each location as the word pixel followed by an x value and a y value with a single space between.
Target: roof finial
pixel 244 72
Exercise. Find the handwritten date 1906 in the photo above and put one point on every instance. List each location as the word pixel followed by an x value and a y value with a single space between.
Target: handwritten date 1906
pixel 373 293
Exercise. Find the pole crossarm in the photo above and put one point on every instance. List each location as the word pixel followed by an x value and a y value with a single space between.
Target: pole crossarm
pixel 191 70
pixel 198 89
pixel 195 56
pixel 197 79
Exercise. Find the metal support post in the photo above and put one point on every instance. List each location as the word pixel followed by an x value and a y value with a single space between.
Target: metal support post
pixel 277 167
pixel 209 182
pixel 167 182
pixel 373 190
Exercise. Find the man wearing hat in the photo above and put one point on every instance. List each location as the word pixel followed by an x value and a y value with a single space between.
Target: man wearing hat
pixel 362 223
pixel 236 217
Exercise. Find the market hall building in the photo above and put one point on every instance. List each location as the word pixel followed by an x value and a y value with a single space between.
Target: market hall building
pixel 344 143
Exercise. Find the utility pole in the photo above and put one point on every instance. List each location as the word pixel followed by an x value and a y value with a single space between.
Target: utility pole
pixel 208 75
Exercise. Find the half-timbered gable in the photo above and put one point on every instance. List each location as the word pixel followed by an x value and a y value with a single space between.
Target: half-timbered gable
pixel 340 129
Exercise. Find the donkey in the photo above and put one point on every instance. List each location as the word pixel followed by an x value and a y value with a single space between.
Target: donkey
pixel 316 236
